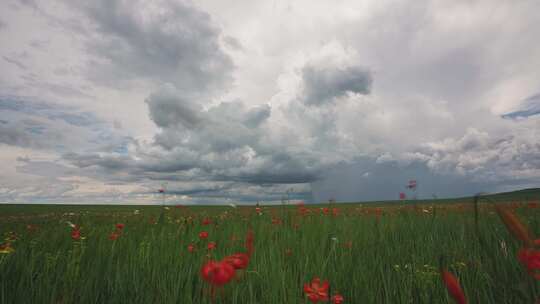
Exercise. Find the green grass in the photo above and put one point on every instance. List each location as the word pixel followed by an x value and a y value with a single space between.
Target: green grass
pixel 394 258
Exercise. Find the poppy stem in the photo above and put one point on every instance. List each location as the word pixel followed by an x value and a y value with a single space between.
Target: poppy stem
pixel 212 293
pixel 328 257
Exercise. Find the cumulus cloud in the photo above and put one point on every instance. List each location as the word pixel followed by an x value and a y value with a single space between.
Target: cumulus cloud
pixel 485 157
pixel 168 108
pixel 226 141
pixel 257 115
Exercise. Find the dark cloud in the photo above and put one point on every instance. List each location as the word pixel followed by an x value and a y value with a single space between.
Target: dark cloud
pixel 280 175
pixel 168 108
pixel 15 135
pixel 530 107
pixel 196 185
pixel 202 191
pixel 223 142
pixel 164 41
pixel 451 167
pixel 365 179
pixel 234 196
pixel 220 128
pixel 109 162
pixel 239 192
pixel 177 44
pixel 256 116
pixel 323 84
pixel 431 116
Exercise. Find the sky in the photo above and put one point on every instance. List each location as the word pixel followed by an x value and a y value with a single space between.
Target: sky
pixel 222 102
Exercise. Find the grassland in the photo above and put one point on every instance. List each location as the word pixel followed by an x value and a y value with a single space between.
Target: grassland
pixel 369 253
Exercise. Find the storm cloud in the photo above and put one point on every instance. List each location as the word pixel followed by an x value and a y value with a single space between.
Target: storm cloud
pixel 262 100
pixel 227 141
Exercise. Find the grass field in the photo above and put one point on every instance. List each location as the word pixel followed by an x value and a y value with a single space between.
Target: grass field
pixel 369 253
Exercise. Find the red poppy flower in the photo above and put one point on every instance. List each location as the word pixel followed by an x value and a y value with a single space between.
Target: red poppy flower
pixel 115 235
pixel 530 258
pixel 315 291
pixel 203 235
pixel 217 273
pixel 258 210
pixel 237 260
pixel 191 247
pixel 76 234
pixel 303 210
pixel 452 285
pixel 206 221
pixel 326 210
pixel 337 299
pixel 120 226
pixel 211 245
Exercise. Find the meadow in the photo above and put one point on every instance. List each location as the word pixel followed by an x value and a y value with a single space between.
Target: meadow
pixel 368 253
